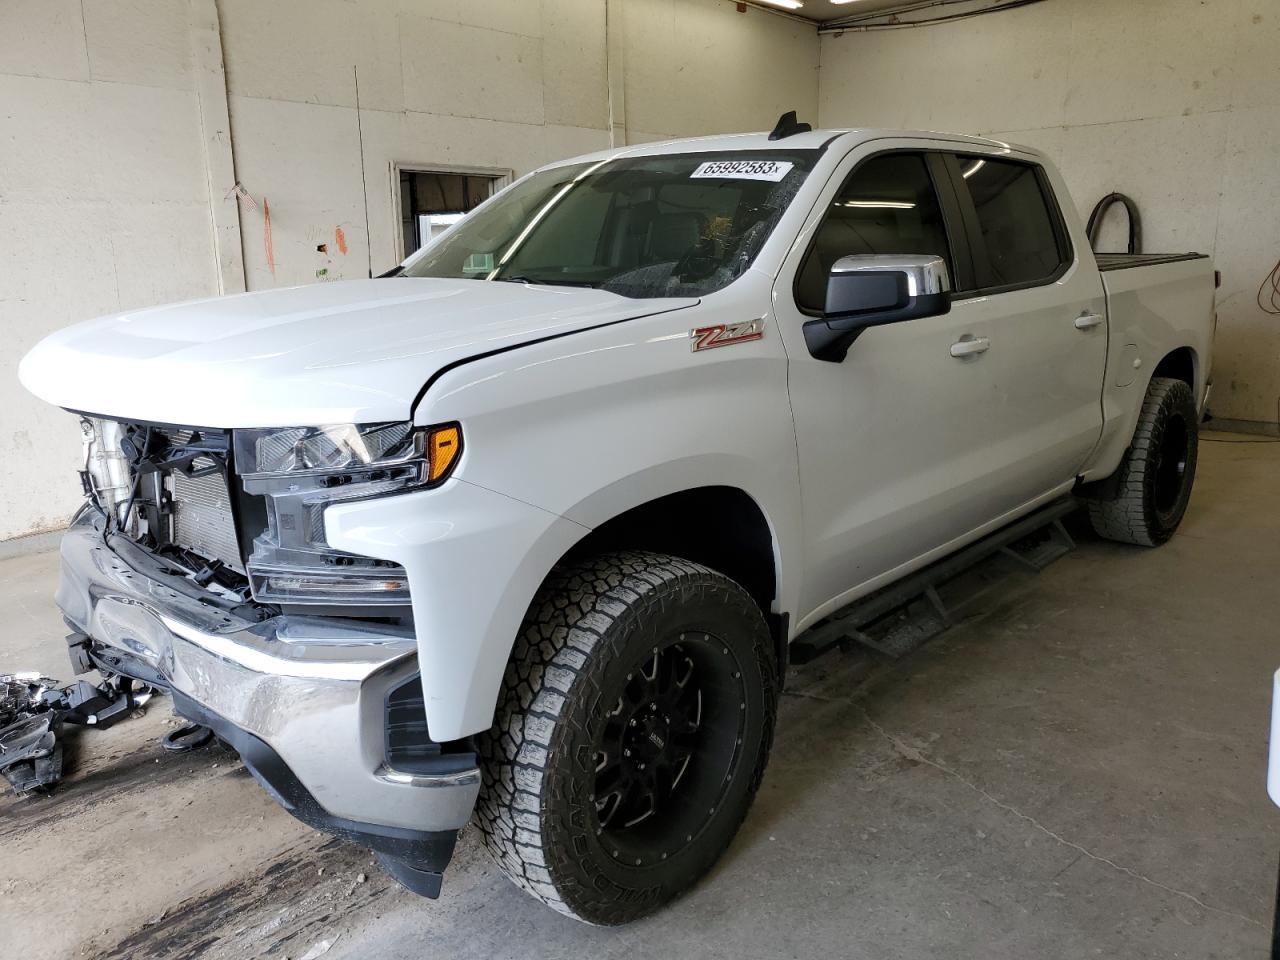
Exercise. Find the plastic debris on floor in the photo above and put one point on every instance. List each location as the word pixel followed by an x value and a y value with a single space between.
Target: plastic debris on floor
pixel 33 709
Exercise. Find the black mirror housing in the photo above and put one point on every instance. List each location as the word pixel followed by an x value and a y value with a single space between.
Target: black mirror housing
pixel 869 291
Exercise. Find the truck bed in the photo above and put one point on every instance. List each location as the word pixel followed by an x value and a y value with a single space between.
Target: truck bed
pixel 1124 261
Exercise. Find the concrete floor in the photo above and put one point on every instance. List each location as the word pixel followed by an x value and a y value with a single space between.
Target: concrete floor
pixel 1075 771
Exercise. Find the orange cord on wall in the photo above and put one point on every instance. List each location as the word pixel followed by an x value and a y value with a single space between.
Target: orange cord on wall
pixel 266 236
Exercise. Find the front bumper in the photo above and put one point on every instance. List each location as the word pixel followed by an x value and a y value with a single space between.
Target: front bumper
pixel 303 699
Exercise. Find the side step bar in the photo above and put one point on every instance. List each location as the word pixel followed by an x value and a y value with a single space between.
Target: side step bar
pixel 910 612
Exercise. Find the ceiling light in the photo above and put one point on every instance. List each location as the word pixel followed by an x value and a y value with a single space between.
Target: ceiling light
pixel 789 4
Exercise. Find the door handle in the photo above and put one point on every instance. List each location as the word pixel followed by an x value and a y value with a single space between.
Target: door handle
pixel 1089 321
pixel 970 347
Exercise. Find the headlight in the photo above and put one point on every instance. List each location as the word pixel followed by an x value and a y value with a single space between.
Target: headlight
pixel 299 471
pixel 346 446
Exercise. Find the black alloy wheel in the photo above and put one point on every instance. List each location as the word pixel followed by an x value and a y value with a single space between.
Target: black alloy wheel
pixel 668 748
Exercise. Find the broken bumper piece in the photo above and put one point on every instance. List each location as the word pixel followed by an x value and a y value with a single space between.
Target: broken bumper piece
pixel 33 710
pixel 304 700
pixel 30 755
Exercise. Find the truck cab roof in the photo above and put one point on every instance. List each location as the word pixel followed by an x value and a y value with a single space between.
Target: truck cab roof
pixel 809 140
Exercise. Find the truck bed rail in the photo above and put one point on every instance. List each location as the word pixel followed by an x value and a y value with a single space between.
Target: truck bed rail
pixel 1125 261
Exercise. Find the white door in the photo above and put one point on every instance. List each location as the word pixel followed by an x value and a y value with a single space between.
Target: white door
pixel 904 447
pixel 1046 309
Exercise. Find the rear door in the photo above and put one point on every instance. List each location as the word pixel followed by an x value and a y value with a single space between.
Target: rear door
pixel 1045 307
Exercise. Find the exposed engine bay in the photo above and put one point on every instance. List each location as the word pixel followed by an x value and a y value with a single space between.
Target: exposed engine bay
pixel 254 535
pixel 168 489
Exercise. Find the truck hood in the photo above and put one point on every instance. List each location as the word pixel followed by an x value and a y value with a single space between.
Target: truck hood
pixel 349 352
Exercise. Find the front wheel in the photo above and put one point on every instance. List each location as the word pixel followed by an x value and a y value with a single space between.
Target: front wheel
pixel 1153 484
pixel 631 734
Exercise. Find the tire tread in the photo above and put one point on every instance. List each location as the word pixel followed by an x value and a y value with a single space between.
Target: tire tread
pixel 1126 516
pixel 568 628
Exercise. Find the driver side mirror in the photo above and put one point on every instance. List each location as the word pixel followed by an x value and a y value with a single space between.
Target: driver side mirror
pixel 868 291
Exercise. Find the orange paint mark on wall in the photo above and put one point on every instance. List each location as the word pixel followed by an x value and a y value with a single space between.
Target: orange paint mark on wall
pixel 340 239
pixel 266 237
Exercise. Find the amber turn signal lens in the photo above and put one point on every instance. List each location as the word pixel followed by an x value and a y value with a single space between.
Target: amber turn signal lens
pixel 444 444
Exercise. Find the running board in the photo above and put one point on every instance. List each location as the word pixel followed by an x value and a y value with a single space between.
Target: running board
pixel 905 615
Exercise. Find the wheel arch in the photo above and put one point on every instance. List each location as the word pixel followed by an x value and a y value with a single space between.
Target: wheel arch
pixel 1181 363
pixel 721 526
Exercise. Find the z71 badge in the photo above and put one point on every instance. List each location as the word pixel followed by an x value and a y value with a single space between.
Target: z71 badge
pixel 724 335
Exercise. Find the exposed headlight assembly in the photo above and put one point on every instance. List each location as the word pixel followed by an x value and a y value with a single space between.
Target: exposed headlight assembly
pixel 299 471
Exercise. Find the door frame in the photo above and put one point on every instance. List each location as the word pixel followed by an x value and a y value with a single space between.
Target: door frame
pixel 502 177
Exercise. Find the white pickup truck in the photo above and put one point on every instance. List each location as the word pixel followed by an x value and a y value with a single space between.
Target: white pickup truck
pixel 522 530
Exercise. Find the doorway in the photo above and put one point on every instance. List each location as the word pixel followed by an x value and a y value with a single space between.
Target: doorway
pixel 433 199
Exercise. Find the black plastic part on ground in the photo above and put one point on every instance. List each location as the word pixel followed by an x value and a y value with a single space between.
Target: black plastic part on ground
pixel 33 710
pixel 413 857
pixel 188 737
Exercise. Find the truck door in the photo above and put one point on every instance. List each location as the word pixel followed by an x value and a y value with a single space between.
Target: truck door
pixel 1045 307
pixel 910 445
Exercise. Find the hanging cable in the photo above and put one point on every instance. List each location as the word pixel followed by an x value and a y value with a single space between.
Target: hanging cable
pixel 1269 292
pixel 865 22
pixel 1100 211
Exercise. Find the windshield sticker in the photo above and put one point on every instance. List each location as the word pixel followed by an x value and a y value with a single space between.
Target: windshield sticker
pixel 478 263
pixel 772 170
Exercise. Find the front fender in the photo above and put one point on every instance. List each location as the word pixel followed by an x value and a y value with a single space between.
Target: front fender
pixel 474 559
pixel 591 425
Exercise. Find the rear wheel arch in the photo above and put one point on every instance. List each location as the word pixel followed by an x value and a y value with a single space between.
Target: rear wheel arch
pixel 1180 364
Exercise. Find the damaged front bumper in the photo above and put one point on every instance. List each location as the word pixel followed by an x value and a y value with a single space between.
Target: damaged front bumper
pixel 306 701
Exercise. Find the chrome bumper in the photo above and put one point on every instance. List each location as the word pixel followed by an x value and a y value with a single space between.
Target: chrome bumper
pixel 311 690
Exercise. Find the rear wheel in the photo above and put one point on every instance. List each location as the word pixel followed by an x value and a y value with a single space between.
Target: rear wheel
pixel 632 732
pixel 1153 485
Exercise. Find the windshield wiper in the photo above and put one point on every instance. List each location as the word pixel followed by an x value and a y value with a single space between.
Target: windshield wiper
pixel 539 281
pixel 519 279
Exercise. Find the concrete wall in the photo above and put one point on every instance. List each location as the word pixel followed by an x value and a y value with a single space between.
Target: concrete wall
pixel 103 205
pixel 1175 102
pixel 508 84
pixel 695 68
pixel 105 201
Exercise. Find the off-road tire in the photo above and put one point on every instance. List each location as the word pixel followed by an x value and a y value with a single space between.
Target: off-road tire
pixel 589 623
pixel 1150 492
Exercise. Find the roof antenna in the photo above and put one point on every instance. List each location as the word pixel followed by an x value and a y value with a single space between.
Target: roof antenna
pixel 788 126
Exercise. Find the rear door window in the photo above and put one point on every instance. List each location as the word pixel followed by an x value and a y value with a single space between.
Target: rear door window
pixel 1020 227
pixel 887 206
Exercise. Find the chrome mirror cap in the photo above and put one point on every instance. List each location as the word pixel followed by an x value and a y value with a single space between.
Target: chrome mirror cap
pixel 926 273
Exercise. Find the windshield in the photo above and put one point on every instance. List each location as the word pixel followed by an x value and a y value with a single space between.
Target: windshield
pixel 656 226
